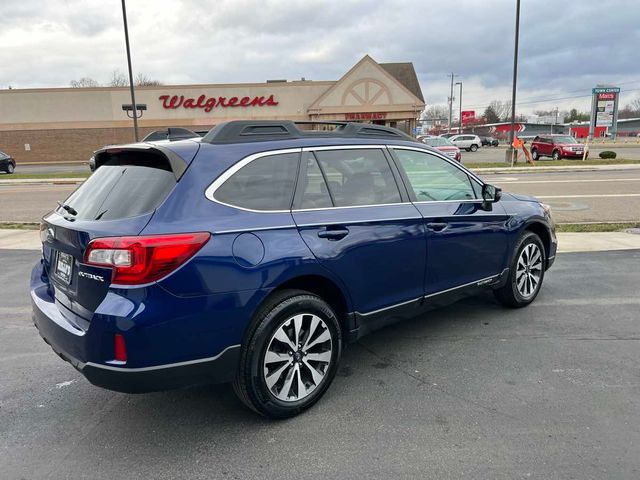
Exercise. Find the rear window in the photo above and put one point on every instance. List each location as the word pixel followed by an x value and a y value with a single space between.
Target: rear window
pixel 126 185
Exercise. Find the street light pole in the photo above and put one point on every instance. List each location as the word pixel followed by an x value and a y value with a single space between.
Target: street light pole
pixel 451 102
pixel 131 87
pixel 460 119
pixel 515 80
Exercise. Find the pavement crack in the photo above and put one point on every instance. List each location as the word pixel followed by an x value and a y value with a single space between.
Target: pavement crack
pixel 424 382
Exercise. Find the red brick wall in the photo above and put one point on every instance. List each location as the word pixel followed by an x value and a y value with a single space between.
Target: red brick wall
pixel 64 145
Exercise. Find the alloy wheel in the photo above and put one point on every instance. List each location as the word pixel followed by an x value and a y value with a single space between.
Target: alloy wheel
pixel 298 357
pixel 529 270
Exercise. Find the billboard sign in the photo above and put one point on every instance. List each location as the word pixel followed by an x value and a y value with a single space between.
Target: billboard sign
pixel 604 109
pixel 468 116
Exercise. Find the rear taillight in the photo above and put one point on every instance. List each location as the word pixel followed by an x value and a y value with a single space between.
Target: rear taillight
pixel 143 259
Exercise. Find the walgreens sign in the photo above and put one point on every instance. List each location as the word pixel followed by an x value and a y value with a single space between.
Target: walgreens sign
pixel 172 102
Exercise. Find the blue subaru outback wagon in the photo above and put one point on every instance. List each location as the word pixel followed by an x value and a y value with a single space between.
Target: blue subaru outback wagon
pixel 254 254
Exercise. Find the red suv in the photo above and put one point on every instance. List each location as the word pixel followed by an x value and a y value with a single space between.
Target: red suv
pixel 556 147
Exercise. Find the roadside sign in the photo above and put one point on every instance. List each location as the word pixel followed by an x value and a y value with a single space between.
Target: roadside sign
pixel 604 110
pixel 605 90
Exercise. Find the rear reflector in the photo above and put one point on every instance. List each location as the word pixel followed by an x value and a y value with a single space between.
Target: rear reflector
pixel 120 348
pixel 143 259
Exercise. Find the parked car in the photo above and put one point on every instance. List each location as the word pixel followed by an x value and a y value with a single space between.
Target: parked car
pixel 470 143
pixel 7 163
pixel 556 147
pixel 171 134
pixel 257 253
pixel 489 141
pixel 447 135
pixel 420 138
pixel 445 146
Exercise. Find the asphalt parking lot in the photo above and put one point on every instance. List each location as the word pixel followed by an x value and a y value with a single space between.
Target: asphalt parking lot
pixel 472 390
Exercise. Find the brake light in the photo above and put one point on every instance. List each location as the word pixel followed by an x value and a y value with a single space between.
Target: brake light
pixel 143 259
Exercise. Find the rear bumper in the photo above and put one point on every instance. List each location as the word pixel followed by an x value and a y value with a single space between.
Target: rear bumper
pixel 187 345
pixel 218 369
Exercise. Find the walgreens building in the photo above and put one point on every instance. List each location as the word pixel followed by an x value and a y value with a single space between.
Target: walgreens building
pixel 68 124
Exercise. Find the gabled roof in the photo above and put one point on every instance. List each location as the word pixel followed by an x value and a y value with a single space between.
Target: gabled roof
pixel 406 75
pixel 376 74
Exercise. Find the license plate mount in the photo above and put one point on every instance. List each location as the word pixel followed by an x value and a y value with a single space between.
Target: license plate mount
pixel 64 267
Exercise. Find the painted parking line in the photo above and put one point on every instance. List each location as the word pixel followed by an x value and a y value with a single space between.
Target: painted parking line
pixel 604 195
pixel 516 180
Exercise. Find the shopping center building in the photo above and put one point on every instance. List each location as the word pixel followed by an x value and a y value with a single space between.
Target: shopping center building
pixel 68 124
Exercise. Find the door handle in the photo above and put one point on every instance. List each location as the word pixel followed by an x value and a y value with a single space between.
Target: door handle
pixel 333 233
pixel 437 226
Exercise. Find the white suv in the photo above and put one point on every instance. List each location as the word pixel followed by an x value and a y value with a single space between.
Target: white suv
pixel 470 143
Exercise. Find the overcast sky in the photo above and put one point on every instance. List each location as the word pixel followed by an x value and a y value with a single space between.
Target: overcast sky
pixel 566 47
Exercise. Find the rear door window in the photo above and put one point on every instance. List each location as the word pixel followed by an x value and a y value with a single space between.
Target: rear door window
pixel 265 183
pixel 313 188
pixel 128 184
pixel 358 177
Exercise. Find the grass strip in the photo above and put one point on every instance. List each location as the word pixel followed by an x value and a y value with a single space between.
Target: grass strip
pixel 20 225
pixel 551 163
pixel 595 227
pixel 36 176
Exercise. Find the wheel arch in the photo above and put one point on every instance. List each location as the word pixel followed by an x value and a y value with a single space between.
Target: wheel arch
pixel 540 229
pixel 327 289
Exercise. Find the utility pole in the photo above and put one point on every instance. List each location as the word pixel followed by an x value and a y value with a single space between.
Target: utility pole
pixel 460 119
pixel 512 133
pixel 451 101
pixel 131 87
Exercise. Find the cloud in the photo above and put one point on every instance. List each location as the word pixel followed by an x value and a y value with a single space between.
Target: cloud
pixel 566 47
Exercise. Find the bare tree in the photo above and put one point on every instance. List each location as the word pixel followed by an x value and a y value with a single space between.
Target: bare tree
pixel 118 79
pixel 502 109
pixel 143 80
pixel 635 104
pixel 435 112
pixel 84 82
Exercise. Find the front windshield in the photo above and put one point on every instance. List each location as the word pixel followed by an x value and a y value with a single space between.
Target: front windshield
pixel 438 142
pixel 566 139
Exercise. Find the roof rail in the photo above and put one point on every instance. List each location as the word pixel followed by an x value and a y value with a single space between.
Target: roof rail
pixel 247 131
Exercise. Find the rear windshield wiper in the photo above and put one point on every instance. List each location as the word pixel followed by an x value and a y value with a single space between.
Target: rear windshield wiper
pixel 68 208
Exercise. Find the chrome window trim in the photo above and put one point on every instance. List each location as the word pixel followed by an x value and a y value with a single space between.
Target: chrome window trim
pixel 296 210
pixel 211 189
pixel 352 222
pixel 228 173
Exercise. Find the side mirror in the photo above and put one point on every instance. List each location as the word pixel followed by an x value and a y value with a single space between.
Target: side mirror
pixel 490 194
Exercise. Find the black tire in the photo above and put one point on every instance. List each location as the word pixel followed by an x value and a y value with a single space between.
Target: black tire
pixel 534 154
pixel 473 147
pixel 250 384
pixel 556 155
pixel 509 294
pixel 10 168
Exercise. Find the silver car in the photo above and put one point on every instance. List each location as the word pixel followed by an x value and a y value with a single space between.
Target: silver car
pixel 470 143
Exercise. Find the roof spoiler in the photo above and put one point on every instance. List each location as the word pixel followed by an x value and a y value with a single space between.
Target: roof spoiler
pixel 177 163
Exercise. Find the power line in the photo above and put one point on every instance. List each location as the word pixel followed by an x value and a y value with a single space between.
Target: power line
pixel 553 99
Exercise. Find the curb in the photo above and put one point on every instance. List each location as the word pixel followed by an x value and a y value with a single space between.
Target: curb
pixel 567 168
pixel 43 181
